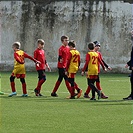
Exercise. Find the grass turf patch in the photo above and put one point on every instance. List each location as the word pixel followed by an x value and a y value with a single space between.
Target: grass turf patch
pixel 60 115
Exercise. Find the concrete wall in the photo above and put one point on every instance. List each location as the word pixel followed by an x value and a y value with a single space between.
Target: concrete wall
pixel 109 22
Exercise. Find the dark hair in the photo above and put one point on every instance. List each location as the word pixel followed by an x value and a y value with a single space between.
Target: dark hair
pixel 40 41
pixel 72 43
pixel 91 46
pixel 64 37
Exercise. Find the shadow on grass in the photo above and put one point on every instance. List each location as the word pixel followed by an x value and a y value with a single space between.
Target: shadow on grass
pixel 100 102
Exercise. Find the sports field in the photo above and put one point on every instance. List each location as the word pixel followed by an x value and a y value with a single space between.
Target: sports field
pixel 60 115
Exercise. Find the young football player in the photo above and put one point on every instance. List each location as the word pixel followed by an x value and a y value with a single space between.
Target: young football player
pixel 72 67
pixel 91 66
pixel 19 69
pixel 39 54
pixel 62 62
pixel 96 49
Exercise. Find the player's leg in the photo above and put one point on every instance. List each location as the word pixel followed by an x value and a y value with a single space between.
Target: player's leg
pixel 99 88
pixel 22 80
pixel 132 85
pixel 42 79
pixel 71 81
pixel 12 84
pixel 78 90
pixel 58 82
pixel 67 82
pixel 86 94
pixel 92 86
pixel 130 97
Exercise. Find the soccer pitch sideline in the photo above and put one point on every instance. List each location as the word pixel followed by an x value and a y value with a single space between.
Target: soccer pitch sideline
pixel 60 115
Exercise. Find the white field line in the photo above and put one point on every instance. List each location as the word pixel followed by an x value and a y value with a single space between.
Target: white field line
pixel 114 80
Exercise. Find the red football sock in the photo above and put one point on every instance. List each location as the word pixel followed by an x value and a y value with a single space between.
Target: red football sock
pixel 24 88
pixel 68 86
pixel 40 82
pixel 76 86
pixel 88 90
pixel 13 86
pixel 56 86
pixel 98 86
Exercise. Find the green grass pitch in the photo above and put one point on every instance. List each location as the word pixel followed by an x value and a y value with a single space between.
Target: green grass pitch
pixel 60 115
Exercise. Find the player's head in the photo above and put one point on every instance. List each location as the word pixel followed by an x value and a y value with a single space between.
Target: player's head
pixel 65 40
pixel 97 45
pixel 16 46
pixel 91 46
pixel 40 43
pixel 72 44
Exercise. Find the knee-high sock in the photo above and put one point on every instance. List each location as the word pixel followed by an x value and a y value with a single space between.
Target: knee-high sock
pixel 68 86
pixel 88 90
pixel 13 86
pixel 24 88
pixel 56 86
pixel 40 82
pixel 98 86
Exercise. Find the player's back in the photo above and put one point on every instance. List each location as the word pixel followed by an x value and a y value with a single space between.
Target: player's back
pixel 93 63
pixel 74 63
pixel 18 66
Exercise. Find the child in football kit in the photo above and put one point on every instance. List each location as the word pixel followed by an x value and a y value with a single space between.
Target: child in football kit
pixel 19 69
pixel 39 55
pixel 62 62
pixel 72 67
pixel 96 49
pixel 91 66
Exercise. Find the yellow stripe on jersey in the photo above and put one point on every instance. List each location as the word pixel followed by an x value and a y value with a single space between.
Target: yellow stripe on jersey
pixel 74 64
pixel 19 68
pixel 93 63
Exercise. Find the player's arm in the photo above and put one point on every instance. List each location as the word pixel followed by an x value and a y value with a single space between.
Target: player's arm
pixel 129 63
pixel 31 58
pixel 18 58
pixel 86 64
pixel 100 61
pixel 132 58
pixel 79 60
pixel 35 55
pixel 68 60
pixel 105 64
pixel 47 65
pixel 60 56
